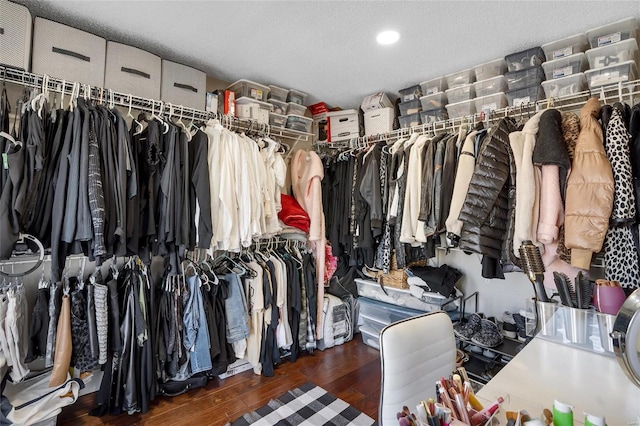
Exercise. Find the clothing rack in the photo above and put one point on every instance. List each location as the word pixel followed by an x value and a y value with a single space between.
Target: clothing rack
pixel 618 92
pixel 108 96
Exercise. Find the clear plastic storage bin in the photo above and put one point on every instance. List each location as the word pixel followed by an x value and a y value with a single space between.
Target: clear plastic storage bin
pixel 565 86
pixel 436 85
pixel 490 86
pixel 525 95
pixel 437 100
pixel 625 71
pixel 297 109
pixel 410 93
pixel 461 109
pixel 490 69
pixel 524 78
pixel 460 78
pixel 277 120
pixel 249 89
pixel 565 66
pixel 613 33
pixel 491 102
pixel 565 47
pixel 278 93
pixel 410 120
pixel 279 107
pixel 433 115
pixel 370 337
pixel 461 93
pixel 612 54
pixel 299 123
pixel 525 59
pixel 410 107
pixel 296 97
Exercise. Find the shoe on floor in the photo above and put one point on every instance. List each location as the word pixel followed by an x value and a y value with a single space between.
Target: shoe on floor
pixel 475 349
pixel 489 335
pixel 464 331
pixel 509 328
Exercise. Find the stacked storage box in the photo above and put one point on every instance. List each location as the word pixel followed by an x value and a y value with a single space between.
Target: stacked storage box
pixel 613 56
pixel 490 86
pixel 378 114
pixel 525 76
pixel 460 93
pixel 375 315
pixel 343 125
pixel 410 106
pixel 564 70
pixel 434 100
pixel 251 100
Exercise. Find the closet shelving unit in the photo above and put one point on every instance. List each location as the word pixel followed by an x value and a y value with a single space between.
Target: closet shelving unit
pixel 622 91
pixel 58 85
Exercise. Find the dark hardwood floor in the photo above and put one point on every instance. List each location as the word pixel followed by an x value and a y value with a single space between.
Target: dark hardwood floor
pixel 350 371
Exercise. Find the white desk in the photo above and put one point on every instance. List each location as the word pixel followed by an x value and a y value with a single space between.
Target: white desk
pixel 545 370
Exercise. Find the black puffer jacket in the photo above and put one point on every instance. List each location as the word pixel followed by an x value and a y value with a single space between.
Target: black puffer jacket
pixel 487 210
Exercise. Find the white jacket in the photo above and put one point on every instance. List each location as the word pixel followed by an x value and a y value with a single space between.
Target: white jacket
pixel 413 194
pixel 466 165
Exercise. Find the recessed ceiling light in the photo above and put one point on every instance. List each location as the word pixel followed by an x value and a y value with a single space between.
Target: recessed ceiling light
pixel 388 37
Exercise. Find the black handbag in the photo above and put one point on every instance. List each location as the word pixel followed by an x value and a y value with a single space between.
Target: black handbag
pixel 175 388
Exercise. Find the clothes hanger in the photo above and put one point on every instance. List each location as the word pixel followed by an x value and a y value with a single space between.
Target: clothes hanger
pixel 139 126
pixel 182 125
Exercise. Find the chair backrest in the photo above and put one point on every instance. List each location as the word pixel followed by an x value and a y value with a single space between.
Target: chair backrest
pixel 415 353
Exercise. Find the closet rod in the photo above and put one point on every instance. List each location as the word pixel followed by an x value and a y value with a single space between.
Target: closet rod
pixel 615 92
pixel 58 85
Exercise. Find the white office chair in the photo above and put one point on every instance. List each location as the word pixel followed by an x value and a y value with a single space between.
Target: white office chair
pixel 415 353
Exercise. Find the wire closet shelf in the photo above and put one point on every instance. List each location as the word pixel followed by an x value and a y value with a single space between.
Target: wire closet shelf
pixel 620 92
pixel 108 96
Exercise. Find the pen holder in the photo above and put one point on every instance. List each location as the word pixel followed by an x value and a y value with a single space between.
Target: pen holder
pixel 576 322
pixel 548 318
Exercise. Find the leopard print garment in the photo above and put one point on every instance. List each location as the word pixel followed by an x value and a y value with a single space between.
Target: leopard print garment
pixel 570 131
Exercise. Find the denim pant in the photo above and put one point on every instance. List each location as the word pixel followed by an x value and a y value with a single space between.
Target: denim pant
pixel 236 309
pixel 196 332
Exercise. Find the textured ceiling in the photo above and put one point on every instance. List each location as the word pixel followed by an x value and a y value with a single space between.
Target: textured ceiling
pixel 328 48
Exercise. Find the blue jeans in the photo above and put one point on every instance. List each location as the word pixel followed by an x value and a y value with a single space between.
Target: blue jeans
pixel 235 306
pixel 196 333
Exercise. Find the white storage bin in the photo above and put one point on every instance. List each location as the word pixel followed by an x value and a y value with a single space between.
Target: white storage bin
pixel 491 102
pixel 460 78
pixel 279 107
pixel 400 297
pixel 378 121
pixel 297 109
pixel 461 109
pixel 183 85
pixel 376 101
pixel 625 71
pixel 412 120
pixel 525 95
pixel 343 125
pixel 410 107
pixel 257 110
pixel 278 93
pixel 68 53
pixel 490 86
pixel 370 337
pixel 132 70
pixel 433 115
pixel 563 67
pixel 277 120
pixel 411 93
pixel 437 100
pixel 15 37
pixel 532 57
pixel 490 69
pixel 565 47
pixel 299 123
pixel 565 86
pixel 613 33
pixel 370 323
pixel 612 54
pixel 296 97
pixel 385 313
pixel 247 88
pixel 461 93
pixel 436 85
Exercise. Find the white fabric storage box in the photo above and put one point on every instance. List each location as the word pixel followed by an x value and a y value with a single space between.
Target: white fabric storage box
pixel 410 107
pixel 132 70
pixel 565 86
pixel 461 109
pixel 246 88
pixel 436 85
pixel 490 69
pixel 278 93
pixel 343 125
pixel 461 93
pixel 378 121
pixel 299 123
pixel 183 85
pixel 565 47
pixel 68 53
pixel 490 86
pixel 563 67
pixel 625 71
pixel 433 115
pixel 376 101
pixel 297 109
pixel 436 100
pixel 412 120
pixel 626 50
pixel 613 33
pixel 491 102
pixel 15 35
pixel 460 78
